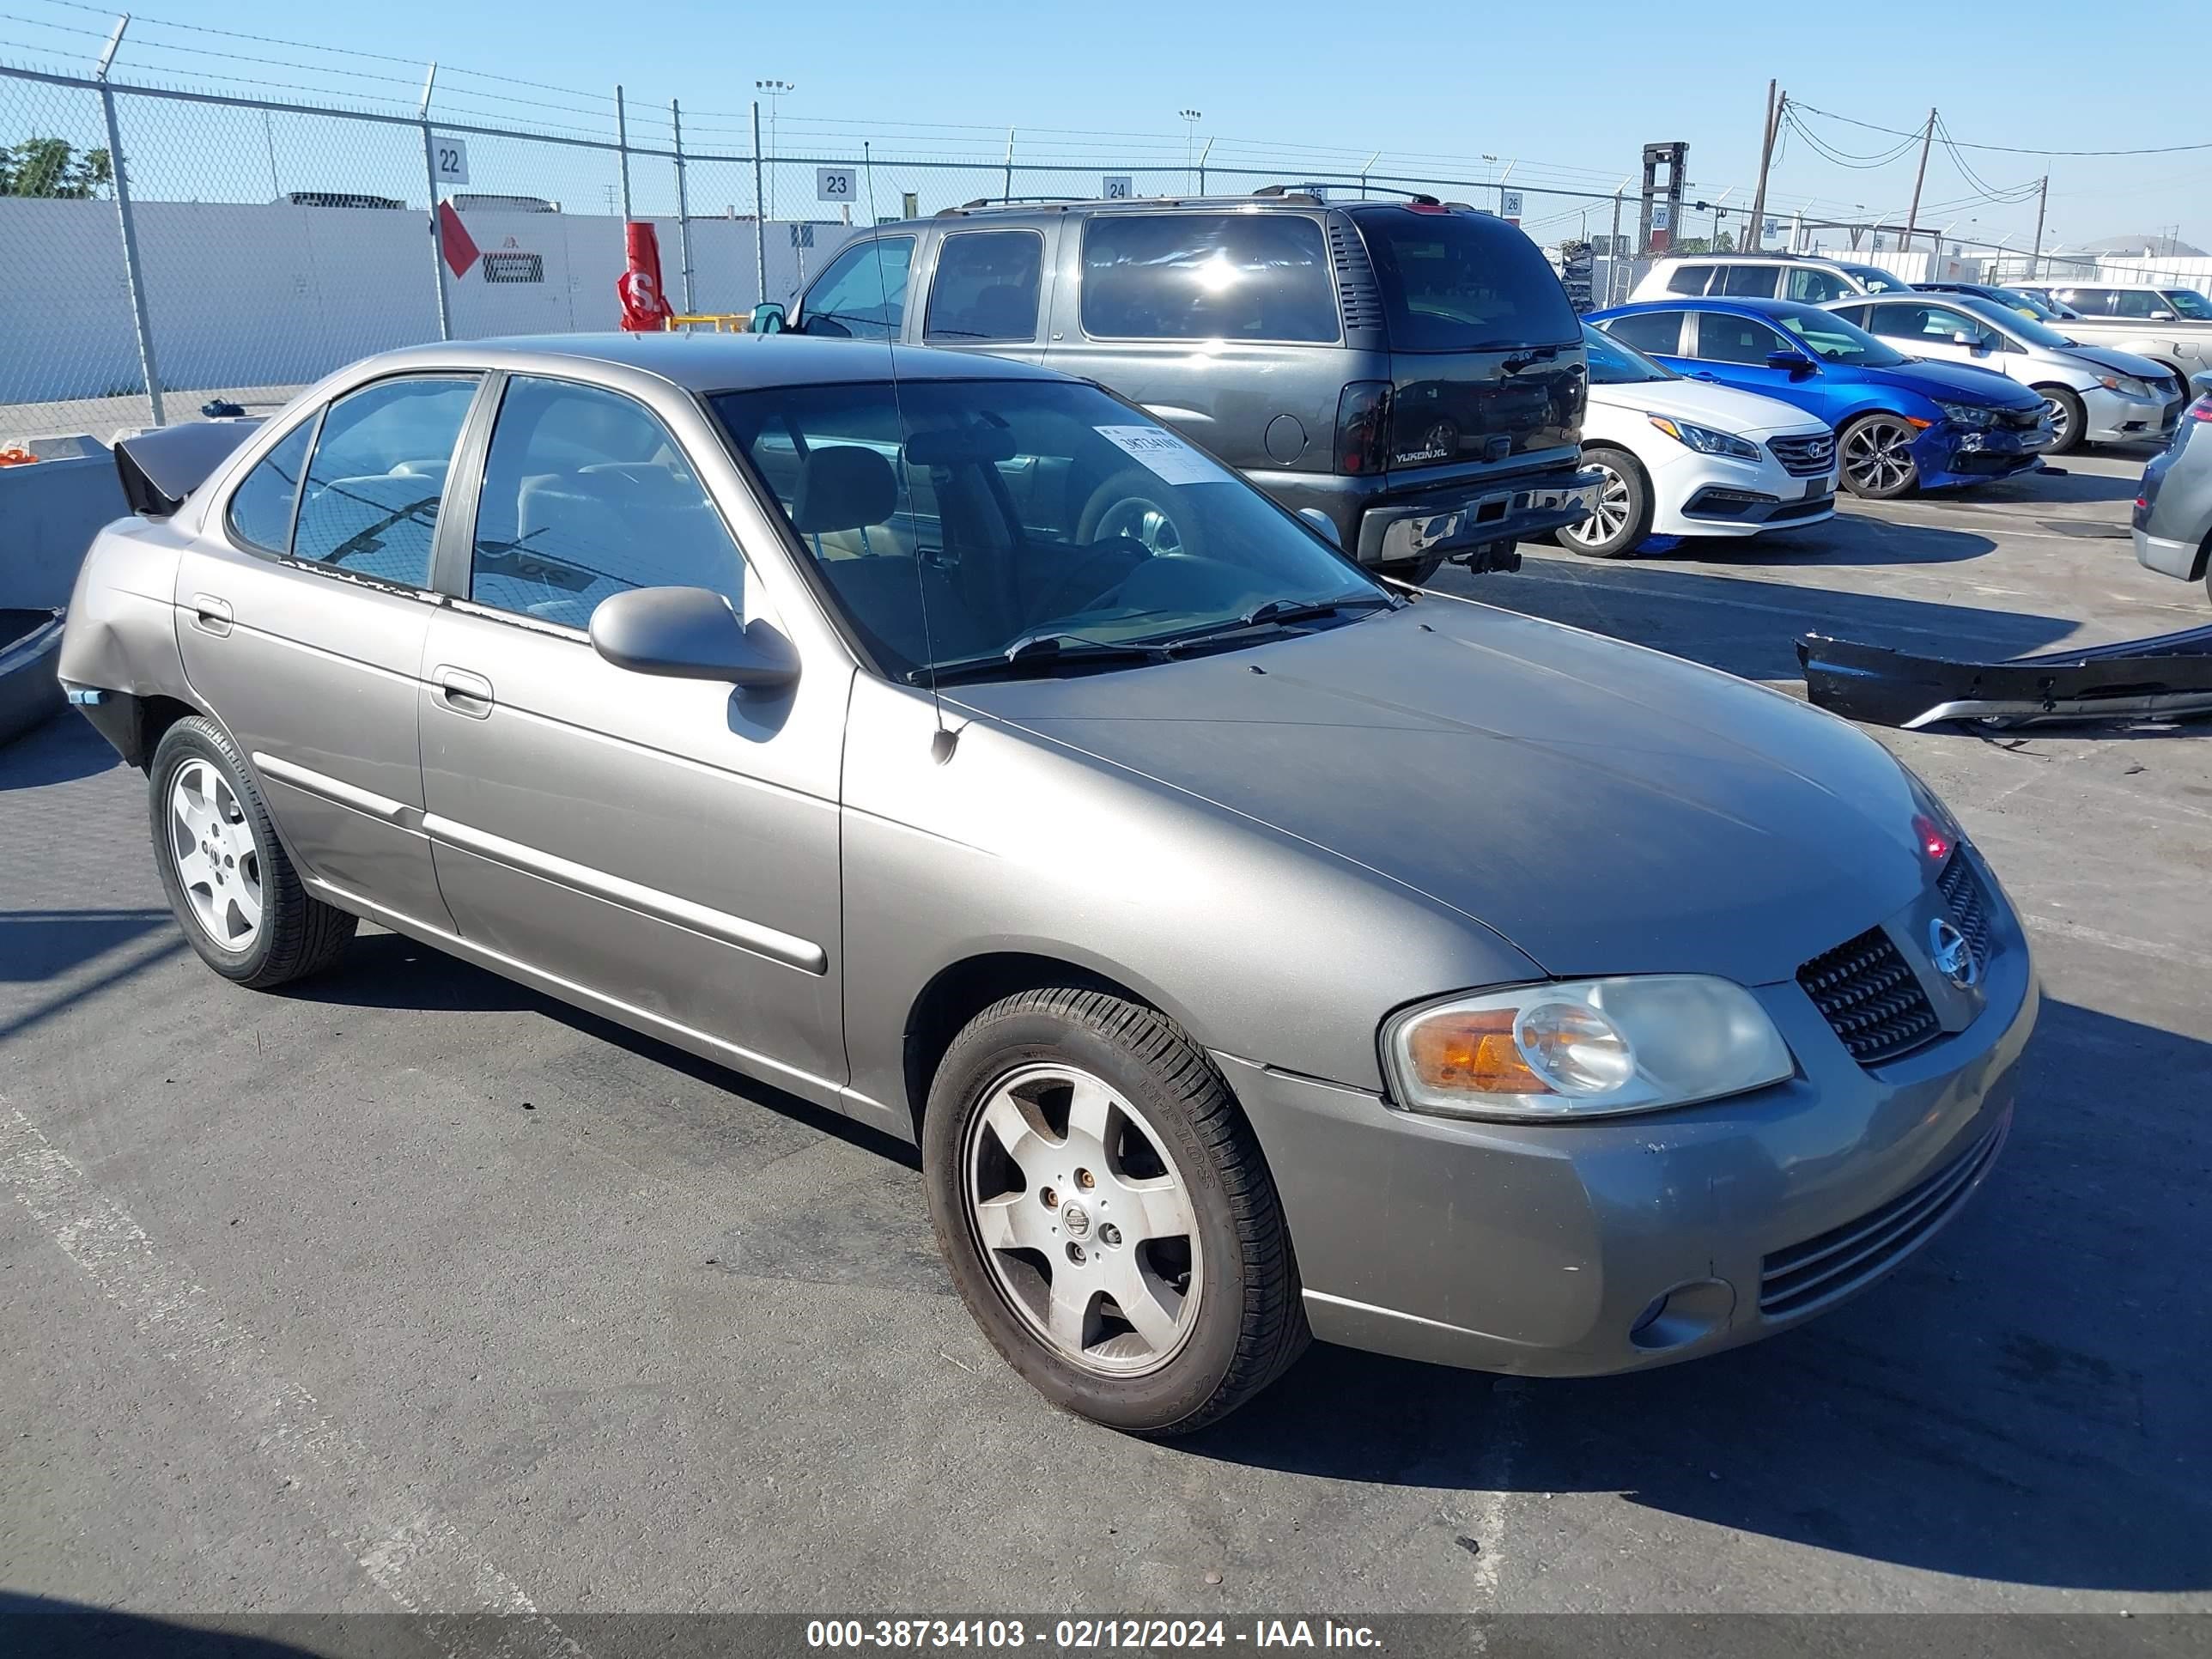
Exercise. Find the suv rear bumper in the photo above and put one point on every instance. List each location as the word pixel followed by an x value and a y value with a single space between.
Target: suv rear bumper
pixel 1377 524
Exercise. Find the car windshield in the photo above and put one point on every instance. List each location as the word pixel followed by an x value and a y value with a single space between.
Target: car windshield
pixel 1006 522
pixel 2188 303
pixel 1612 363
pixel 1874 279
pixel 1832 340
pixel 2019 327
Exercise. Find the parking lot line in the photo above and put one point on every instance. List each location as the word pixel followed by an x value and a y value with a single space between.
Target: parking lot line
pixel 415 1556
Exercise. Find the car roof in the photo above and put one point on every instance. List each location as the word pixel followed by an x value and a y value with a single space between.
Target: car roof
pixel 1747 306
pixel 719 363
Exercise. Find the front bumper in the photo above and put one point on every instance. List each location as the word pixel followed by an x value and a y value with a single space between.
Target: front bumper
pixel 1543 1249
pixel 1949 456
pixel 2111 418
pixel 1700 495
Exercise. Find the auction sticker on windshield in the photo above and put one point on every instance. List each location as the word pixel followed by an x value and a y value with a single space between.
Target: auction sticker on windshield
pixel 1164 453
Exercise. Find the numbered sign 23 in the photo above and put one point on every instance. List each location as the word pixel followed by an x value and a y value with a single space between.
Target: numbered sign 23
pixel 833 183
pixel 449 159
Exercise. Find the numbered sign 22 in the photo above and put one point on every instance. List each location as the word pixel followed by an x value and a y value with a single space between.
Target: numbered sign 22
pixel 449 159
pixel 833 183
pixel 1118 186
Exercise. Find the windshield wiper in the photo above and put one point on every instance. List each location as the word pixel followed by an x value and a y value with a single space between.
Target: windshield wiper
pixel 1276 612
pixel 1040 654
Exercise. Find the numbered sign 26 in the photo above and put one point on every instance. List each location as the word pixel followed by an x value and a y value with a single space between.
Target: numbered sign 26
pixel 833 183
pixel 449 159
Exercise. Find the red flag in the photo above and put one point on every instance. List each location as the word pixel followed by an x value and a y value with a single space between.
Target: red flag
pixel 453 240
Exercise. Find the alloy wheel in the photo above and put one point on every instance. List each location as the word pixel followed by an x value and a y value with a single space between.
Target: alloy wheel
pixel 217 863
pixel 1878 455
pixel 2062 423
pixel 1610 517
pixel 1086 1228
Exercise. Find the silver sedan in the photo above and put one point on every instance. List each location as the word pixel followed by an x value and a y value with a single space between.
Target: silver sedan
pixel 1255 950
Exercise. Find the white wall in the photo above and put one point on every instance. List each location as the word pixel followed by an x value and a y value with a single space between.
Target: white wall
pixel 245 294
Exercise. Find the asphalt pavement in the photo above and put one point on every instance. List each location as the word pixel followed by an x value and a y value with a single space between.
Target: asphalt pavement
pixel 408 1288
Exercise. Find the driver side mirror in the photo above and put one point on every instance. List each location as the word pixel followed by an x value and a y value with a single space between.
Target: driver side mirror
pixel 691 634
pixel 767 318
pixel 1322 526
pixel 1795 364
pixel 1974 342
pixel 2161 316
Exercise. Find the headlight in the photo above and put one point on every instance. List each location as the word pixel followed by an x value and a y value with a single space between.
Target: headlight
pixel 1705 439
pixel 2125 387
pixel 1970 416
pixel 1584 1048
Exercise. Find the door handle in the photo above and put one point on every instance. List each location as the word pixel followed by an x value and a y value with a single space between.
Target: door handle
pixel 211 615
pixel 462 692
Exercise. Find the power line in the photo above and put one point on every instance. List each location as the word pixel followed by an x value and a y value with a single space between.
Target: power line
pixel 2004 149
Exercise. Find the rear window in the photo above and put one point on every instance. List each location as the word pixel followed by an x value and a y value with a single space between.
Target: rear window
pixel 1206 277
pixel 1464 281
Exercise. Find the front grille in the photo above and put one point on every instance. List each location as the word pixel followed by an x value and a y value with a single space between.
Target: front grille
pixel 2022 419
pixel 1962 895
pixel 1805 457
pixel 1866 992
pixel 1805 1276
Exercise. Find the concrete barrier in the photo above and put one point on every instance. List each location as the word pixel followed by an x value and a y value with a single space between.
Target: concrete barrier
pixel 49 511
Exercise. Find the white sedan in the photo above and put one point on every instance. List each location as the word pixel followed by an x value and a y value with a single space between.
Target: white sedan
pixel 1684 457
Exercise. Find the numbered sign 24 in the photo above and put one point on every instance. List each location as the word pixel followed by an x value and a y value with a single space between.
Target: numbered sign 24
pixel 833 183
pixel 449 159
pixel 1118 186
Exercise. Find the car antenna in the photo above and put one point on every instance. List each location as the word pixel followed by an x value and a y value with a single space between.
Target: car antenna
pixel 940 745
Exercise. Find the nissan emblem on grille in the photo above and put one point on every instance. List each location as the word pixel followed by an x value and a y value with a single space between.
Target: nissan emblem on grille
pixel 1952 957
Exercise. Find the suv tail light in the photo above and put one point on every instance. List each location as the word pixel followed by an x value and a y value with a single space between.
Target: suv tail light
pixel 2199 411
pixel 1363 427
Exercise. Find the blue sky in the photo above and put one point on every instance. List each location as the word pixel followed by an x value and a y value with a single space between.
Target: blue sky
pixel 1567 94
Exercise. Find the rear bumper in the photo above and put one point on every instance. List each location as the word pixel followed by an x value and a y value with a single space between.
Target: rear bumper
pixel 2168 556
pixel 1377 523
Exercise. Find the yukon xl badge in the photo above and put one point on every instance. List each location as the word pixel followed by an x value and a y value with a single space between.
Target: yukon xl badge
pixel 1952 955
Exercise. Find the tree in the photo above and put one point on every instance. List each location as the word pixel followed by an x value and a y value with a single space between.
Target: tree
pixel 52 168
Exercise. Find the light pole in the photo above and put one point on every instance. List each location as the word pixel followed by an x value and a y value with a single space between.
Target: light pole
pixel 775 91
pixel 1191 118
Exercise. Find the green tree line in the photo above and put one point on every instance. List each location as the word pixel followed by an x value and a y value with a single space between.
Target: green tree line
pixel 52 168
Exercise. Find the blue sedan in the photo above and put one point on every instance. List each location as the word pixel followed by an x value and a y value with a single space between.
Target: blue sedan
pixel 1901 424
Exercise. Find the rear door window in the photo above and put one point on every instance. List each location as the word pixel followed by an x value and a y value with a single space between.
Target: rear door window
pixel 2138 303
pixel 1815 287
pixel 1748 282
pixel 862 295
pixel 370 506
pixel 1463 282
pixel 986 287
pixel 1658 332
pixel 1725 339
pixel 1206 277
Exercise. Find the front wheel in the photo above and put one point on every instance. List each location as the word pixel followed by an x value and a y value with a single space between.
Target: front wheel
pixel 2067 419
pixel 1875 454
pixel 1106 1214
pixel 1622 517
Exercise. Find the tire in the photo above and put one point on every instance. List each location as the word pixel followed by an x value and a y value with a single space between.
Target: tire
pixel 1136 504
pixel 233 888
pixel 1052 1073
pixel 1417 571
pixel 2067 418
pixel 1881 443
pixel 1623 518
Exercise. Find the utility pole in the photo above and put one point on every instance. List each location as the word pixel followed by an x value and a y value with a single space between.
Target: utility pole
pixel 1912 214
pixel 2042 201
pixel 1774 108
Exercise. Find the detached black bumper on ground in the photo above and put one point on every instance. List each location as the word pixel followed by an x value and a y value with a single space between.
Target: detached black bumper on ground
pixel 2166 676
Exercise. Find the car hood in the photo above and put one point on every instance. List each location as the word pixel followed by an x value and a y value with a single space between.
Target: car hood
pixel 1723 408
pixel 1605 808
pixel 2119 362
pixel 1954 383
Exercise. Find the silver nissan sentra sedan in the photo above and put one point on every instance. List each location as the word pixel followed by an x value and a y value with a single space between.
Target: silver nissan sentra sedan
pixel 1253 950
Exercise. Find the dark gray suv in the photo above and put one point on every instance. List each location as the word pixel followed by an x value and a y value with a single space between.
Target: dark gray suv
pixel 1411 373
